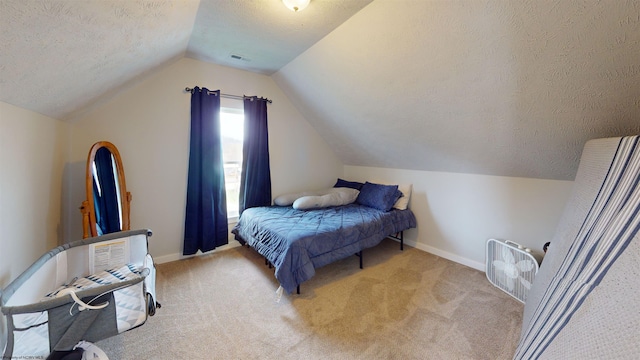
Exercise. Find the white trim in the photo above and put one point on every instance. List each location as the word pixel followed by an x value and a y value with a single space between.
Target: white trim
pixel 447 255
pixel 426 248
pixel 178 256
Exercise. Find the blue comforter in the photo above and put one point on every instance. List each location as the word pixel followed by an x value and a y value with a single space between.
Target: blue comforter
pixel 297 242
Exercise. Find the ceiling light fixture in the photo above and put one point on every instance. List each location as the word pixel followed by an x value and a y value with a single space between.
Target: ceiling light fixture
pixel 296 5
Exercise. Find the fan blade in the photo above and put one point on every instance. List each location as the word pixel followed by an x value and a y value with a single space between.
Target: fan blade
pixel 507 255
pixel 510 283
pixel 499 265
pixel 525 265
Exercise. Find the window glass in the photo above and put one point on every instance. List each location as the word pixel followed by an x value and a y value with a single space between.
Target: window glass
pixel 232 131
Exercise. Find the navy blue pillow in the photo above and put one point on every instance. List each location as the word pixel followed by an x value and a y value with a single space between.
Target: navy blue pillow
pixel 348 184
pixel 378 196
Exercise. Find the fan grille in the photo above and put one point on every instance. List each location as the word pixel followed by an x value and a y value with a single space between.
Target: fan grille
pixel 510 269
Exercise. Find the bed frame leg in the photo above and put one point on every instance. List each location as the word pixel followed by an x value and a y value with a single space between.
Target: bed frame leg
pixel 298 290
pixel 360 256
pixel 398 236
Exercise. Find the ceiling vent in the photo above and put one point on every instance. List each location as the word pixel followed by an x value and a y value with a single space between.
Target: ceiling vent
pixel 239 57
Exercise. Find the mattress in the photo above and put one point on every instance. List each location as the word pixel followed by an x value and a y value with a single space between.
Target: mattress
pixel 583 303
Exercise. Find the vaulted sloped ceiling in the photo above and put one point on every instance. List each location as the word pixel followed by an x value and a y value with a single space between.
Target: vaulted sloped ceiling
pixel 263 33
pixel 59 57
pixel 510 88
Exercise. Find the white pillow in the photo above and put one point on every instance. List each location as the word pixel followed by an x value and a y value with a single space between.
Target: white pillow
pixel 403 202
pixel 335 197
pixel 288 199
pixel 347 195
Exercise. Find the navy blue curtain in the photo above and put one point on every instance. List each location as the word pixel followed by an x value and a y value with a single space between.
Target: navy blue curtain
pixel 255 180
pixel 205 225
pixel 105 197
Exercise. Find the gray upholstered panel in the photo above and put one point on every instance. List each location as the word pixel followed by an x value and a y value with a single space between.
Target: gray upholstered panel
pixel 606 324
pixel 594 164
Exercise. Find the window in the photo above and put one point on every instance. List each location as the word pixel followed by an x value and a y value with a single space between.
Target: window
pixel 232 131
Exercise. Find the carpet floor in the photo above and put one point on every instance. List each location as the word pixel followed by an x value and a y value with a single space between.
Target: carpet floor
pixel 403 305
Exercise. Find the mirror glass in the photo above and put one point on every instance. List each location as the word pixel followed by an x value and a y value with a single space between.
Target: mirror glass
pixel 106 209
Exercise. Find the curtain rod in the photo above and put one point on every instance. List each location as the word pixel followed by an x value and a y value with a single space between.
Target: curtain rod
pixel 229 96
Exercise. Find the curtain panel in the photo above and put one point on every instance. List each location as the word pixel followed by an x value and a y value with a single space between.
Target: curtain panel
pixel 206 212
pixel 255 180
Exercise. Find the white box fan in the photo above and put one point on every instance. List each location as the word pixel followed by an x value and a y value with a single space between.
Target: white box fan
pixel 511 267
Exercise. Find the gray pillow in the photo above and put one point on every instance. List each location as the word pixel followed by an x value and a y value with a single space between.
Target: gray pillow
pixel 335 197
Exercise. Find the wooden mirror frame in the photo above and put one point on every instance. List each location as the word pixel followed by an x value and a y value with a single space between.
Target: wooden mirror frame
pixel 88 206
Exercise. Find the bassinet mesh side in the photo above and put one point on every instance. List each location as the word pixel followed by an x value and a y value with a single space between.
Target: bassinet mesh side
pixel 30 319
pixel 28 335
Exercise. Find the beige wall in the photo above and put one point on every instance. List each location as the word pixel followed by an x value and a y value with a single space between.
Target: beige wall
pixel 32 152
pixel 149 123
pixel 457 213
pixel 42 172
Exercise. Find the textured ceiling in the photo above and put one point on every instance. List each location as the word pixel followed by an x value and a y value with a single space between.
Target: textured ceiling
pixel 265 34
pixel 496 87
pixel 60 56
pixel 492 87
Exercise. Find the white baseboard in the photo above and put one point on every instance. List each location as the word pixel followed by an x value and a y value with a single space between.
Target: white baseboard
pixel 178 256
pixel 430 249
pixel 447 255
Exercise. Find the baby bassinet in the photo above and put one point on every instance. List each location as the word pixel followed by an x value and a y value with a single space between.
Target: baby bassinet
pixel 87 290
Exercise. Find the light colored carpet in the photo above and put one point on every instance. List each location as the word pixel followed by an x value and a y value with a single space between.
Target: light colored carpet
pixel 403 305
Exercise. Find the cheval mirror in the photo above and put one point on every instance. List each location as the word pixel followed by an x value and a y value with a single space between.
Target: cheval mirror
pixel 106 209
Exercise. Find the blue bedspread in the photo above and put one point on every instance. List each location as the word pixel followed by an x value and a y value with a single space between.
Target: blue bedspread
pixel 297 242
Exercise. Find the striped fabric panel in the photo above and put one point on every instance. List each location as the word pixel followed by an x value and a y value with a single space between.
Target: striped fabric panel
pixel 609 227
pixel 106 277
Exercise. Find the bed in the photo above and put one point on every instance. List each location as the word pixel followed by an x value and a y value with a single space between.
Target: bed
pixel 297 242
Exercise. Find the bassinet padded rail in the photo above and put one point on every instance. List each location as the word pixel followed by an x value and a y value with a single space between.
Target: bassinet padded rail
pixel 87 290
